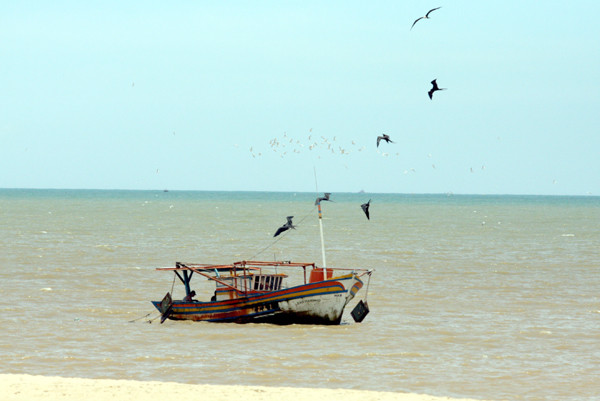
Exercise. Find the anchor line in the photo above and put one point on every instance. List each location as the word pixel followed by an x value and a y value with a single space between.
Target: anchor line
pixel 135 320
pixel 154 318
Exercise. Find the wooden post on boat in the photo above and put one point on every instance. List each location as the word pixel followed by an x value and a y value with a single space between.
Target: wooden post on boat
pixel 322 240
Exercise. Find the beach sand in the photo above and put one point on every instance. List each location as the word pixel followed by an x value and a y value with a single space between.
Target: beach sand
pixel 16 387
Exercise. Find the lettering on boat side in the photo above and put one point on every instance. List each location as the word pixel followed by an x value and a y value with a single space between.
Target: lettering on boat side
pixel 305 301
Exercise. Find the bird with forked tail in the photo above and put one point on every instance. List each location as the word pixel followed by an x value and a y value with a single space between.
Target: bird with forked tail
pixel 285 227
pixel 434 88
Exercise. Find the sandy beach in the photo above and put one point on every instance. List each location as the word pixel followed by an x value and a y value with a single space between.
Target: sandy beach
pixel 16 387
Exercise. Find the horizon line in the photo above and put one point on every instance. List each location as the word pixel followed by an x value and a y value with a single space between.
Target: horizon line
pixel 449 193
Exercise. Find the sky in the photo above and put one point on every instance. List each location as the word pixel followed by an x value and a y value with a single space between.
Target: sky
pixel 292 95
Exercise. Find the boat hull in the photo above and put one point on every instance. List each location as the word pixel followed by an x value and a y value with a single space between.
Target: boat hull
pixel 321 302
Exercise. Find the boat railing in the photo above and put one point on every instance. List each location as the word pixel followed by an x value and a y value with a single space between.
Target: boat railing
pixel 238 273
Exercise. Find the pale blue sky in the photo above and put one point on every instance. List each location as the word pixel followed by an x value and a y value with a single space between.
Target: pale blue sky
pixel 174 95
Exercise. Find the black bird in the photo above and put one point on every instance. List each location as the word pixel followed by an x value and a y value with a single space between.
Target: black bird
pixel 365 208
pixel 285 227
pixel 385 137
pixel 426 16
pixel 434 88
pixel 323 198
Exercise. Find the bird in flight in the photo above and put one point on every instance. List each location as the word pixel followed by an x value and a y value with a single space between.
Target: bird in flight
pixel 323 198
pixel 426 16
pixel 285 227
pixel 385 137
pixel 365 208
pixel 434 88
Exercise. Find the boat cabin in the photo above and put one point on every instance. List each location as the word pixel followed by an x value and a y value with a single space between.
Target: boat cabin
pixel 242 279
pixel 232 287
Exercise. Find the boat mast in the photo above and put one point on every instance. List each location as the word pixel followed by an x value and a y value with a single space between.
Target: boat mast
pixel 318 202
pixel 322 240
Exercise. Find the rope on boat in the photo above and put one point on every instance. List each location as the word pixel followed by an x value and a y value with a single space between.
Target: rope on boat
pixel 281 237
pixel 173 285
pixel 159 315
pixel 367 289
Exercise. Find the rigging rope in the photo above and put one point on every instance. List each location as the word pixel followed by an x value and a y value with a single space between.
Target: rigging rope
pixel 304 218
pixel 173 285
pixel 367 289
pixel 278 239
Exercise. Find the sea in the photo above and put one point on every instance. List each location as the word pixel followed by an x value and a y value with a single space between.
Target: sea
pixel 475 296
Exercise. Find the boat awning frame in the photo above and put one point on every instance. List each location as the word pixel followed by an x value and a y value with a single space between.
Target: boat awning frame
pixel 211 271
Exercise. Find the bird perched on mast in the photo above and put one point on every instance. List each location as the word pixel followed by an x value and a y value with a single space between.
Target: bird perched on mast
pixel 285 227
pixel 426 16
pixel 323 198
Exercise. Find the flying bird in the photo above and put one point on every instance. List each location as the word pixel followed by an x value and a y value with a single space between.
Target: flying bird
pixel 434 88
pixel 365 208
pixel 285 227
pixel 323 198
pixel 385 137
pixel 426 16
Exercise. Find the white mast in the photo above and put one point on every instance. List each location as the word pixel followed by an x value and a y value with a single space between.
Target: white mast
pixel 322 240
pixel 321 226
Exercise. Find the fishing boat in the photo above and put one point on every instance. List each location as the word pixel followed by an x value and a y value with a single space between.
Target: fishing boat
pixel 260 292
pixel 256 291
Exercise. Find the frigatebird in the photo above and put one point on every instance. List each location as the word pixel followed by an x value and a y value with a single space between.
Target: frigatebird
pixel 285 227
pixel 385 137
pixel 365 208
pixel 434 88
pixel 323 198
pixel 426 16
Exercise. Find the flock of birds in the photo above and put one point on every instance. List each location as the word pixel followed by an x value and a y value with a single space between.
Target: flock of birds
pixel 276 144
pixel 292 145
pixel 289 145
